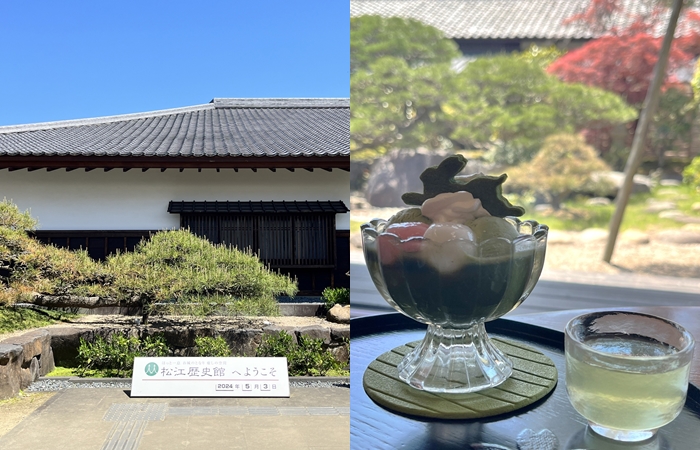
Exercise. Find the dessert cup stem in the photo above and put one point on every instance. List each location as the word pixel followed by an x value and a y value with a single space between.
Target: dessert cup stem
pixel 455 360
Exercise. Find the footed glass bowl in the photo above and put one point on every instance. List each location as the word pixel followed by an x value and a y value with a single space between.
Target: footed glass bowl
pixel 454 288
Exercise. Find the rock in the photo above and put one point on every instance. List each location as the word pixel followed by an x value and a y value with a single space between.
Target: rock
pixel 74 301
pixel 678 236
pixel 242 342
pixel 655 206
pixel 634 237
pixel 398 172
pixel 691 227
pixel 315 332
pixel 23 359
pixel 274 330
pixel 669 182
pixel 66 340
pixel 593 235
pixel 598 201
pixel 339 314
pixel 640 183
pixel 338 334
pixel 10 370
pixel 341 353
pixel 672 214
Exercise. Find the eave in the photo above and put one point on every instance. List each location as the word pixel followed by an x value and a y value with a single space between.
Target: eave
pixel 170 162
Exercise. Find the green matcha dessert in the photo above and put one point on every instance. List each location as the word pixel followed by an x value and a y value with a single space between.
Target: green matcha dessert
pixel 456 255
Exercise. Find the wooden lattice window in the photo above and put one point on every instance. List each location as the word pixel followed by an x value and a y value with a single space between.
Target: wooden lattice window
pixel 283 234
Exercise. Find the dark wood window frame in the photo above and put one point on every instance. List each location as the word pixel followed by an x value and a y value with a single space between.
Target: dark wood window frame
pixel 284 241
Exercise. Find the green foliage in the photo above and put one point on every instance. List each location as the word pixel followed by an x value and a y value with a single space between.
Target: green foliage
pixel 11 217
pixel 691 173
pixel 512 105
pixel 404 96
pixel 175 267
pixel 564 165
pixel 540 56
pixel 375 37
pixel 336 296
pixel 179 267
pixel 308 357
pixel 671 122
pixel 16 318
pixel 210 346
pixel 396 106
pixel 115 356
pixel 576 215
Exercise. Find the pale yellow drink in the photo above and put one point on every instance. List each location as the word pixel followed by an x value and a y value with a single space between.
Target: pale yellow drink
pixel 626 400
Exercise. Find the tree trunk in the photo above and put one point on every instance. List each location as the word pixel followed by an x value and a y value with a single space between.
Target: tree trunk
pixel 650 103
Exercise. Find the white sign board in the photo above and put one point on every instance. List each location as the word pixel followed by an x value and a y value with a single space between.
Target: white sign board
pixel 210 377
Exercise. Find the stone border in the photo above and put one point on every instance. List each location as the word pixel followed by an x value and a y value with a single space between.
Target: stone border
pixel 23 359
pixel 26 357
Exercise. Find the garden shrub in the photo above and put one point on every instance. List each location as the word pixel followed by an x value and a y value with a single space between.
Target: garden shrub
pixel 210 346
pixel 115 356
pixel 308 357
pixel 173 267
pixel 691 173
pixel 179 267
pixel 336 296
pixel 565 164
pixel 27 266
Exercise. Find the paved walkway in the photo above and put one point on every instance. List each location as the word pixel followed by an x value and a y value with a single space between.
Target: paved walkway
pixel 108 419
pixel 555 291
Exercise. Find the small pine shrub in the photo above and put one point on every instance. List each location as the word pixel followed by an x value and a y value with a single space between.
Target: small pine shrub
pixel 209 346
pixel 565 164
pixel 115 356
pixel 308 357
pixel 691 173
pixel 336 296
pixel 179 267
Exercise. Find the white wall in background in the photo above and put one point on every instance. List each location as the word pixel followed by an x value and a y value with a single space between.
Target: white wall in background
pixel 137 200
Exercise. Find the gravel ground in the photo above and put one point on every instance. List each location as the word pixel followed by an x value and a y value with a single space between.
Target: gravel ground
pixel 50 385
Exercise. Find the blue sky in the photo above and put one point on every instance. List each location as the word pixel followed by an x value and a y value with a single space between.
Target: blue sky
pixel 76 59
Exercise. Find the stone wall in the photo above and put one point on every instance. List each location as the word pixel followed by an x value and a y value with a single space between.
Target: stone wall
pixel 23 359
pixel 242 341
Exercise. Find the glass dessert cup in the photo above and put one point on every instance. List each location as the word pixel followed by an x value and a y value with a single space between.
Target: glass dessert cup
pixel 627 373
pixel 454 288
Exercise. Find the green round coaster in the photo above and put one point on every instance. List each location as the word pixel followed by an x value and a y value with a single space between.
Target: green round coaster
pixel 534 376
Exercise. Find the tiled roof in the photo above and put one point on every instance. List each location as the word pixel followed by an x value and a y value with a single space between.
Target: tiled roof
pixel 223 128
pixel 183 207
pixel 496 19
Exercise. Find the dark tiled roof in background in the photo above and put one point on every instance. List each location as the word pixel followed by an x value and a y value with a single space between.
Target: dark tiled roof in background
pixel 222 128
pixel 183 207
pixel 495 19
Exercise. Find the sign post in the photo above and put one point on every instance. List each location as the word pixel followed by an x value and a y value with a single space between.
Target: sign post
pixel 210 377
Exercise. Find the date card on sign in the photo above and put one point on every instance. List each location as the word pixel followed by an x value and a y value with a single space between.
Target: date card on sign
pixel 210 377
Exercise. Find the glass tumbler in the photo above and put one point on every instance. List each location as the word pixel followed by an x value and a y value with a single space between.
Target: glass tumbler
pixel 627 373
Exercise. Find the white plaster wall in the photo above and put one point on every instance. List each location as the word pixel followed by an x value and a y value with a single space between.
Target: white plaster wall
pixel 137 200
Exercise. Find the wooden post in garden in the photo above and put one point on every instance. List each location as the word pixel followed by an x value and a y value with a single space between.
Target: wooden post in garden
pixel 635 158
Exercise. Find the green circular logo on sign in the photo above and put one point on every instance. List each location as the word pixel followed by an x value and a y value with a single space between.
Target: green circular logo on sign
pixel 151 369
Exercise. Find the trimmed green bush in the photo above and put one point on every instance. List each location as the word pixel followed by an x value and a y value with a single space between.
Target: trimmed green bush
pixel 210 346
pixel 307 358
pixel 172 267
pixel 691 173
pixel 115 356
pixel 336 296
pixel 28 266
pixel 177 266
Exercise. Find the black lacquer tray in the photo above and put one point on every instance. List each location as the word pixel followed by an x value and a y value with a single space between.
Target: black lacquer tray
pixel 373 427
